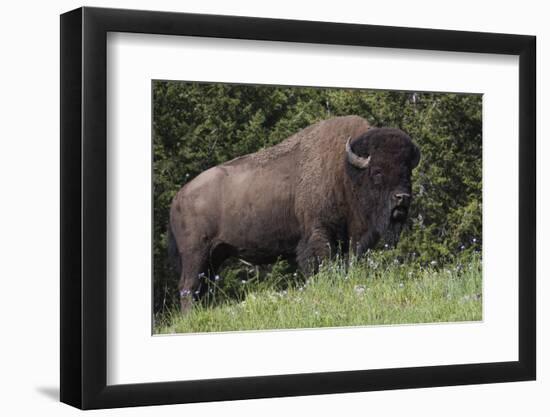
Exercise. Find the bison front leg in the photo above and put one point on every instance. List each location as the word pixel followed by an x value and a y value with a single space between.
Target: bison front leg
pixel 311 252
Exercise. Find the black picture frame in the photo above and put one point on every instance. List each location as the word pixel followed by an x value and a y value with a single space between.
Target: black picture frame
pixel 84 207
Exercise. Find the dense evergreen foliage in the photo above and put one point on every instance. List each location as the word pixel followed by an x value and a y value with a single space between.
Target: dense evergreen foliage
pixel 197 126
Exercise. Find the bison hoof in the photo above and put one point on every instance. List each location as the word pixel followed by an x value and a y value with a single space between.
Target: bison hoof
pixel 186 301
pixel 186 304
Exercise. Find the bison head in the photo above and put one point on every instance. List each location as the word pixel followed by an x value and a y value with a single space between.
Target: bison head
pixel 379 163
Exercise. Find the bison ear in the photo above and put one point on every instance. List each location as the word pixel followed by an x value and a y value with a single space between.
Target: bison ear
pixel 416 156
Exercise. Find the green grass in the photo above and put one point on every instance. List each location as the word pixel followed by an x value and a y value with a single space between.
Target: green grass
pixel 375 291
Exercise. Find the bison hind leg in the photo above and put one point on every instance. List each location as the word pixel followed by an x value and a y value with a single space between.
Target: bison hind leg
pixel 194 269
pixel 199 266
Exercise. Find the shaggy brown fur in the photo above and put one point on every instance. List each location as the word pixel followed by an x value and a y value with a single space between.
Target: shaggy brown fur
pixel 301 200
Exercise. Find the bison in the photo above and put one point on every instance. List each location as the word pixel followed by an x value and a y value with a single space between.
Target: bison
pixel 339 184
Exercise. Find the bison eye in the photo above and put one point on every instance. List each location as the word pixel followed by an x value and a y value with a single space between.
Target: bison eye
pixel 377 176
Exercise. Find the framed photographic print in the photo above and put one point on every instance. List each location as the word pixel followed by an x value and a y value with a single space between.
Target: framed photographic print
pixel 256 208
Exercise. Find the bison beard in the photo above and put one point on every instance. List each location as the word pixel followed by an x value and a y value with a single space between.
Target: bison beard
pixel 335 182
pixel 385 225
pixel 393 232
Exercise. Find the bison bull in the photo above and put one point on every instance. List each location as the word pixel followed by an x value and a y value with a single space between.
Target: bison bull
pixel 338 184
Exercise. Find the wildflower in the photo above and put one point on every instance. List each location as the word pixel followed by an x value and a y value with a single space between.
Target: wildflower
pixel 201 275
pixel 471 297
pixel 386 246
pixel 359 289
pixel 433 262
pixel 243 281
pixel 474 240
pixel 401 285
pixel 301 289
pixel 295 274
pixel 217 278
pixel 462 247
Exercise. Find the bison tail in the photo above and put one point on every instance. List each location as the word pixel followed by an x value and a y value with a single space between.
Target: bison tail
pixel 173 251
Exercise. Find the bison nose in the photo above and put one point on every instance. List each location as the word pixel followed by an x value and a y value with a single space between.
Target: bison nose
pixel 403 199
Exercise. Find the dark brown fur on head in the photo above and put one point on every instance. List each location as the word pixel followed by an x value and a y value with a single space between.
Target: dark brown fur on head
pixel 392 157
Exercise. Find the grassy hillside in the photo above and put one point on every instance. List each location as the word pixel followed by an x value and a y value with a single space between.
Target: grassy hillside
pixel 377 290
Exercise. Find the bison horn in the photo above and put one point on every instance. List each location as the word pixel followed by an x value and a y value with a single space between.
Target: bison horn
pixel 356 160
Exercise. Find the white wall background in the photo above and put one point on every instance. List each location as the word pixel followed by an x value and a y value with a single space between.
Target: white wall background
pixel 29 225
